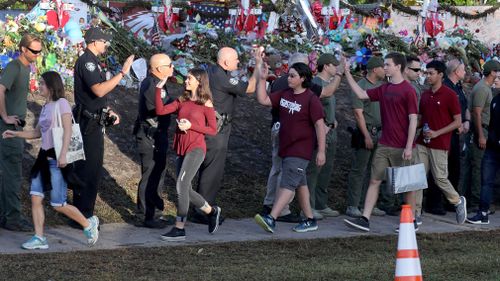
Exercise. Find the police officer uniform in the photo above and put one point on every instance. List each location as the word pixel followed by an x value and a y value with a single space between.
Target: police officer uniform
pixel 88 108
pixel 151 133
pixel 225 89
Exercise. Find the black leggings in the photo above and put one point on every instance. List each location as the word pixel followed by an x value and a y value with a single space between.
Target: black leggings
pixel 187 167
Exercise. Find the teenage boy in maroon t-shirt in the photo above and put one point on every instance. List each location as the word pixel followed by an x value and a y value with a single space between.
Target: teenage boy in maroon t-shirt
pixel 301 118
pixel 398 109
pixel 440 110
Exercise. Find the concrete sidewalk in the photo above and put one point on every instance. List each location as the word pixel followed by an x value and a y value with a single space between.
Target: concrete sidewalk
pixel 119 235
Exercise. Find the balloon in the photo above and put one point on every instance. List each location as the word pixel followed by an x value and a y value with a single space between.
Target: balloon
pixel 4 60
pixel 75 36
pixel 53 19
pixel 70 26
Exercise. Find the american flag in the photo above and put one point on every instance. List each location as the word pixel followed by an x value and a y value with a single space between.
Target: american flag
pixel 155 37
pixel 218 21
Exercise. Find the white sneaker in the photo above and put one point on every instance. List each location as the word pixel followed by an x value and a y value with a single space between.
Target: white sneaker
pixel 92 232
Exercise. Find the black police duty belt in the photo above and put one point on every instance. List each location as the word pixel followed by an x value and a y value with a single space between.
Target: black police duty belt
pixel 374 129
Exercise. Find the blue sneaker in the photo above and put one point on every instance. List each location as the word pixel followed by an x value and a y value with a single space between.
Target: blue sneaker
pixel 306 226
pixel 35 242
pixel 266 222
pixel 92 232
pixel 479 218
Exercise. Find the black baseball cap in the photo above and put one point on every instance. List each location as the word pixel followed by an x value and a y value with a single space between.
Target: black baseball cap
pixel 96 33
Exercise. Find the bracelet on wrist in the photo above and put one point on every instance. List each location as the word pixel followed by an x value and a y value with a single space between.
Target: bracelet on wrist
pixel 122 73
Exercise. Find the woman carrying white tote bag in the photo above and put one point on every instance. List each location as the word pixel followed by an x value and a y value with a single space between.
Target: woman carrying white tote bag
pixel 48 171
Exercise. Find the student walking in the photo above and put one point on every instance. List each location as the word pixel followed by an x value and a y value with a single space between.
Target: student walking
pixel 48 173
pixel 196 118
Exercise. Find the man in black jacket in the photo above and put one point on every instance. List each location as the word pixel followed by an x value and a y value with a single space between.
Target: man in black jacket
pixel 151 134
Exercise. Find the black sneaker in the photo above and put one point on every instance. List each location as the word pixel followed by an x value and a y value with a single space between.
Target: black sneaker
pixel 175 234
pixel 290 218
pixel 158 224
pixel 202 219
pixel 361 223
pixel 213 219
pixel 479 218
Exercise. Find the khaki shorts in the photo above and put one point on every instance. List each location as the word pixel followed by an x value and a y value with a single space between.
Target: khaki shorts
pixel 385 157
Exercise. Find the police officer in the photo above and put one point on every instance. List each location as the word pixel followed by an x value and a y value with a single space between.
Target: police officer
pixel 479 107
pixel 91 111
pixel 365 138
pixel 225 88
pixel 152 140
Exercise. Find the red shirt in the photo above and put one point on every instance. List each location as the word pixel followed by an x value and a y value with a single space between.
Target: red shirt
pixel 202 120
pixel 298 114
pixel 397 101
pixel 437 110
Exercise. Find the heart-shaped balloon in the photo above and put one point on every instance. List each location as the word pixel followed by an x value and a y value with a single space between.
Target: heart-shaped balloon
pixel 53 19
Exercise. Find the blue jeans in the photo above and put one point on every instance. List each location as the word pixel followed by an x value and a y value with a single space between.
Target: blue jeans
pixel 490 166
pixel 59 192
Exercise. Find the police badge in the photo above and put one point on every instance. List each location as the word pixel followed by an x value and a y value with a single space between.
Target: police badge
pixel 90 66
pixel 234 81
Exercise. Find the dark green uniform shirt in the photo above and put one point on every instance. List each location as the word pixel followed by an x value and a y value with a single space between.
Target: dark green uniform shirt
pixel 371 109
pixel 329 103
pixel 481 97
pixel 15 78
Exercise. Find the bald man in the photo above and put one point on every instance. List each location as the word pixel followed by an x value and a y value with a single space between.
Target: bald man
pixel 150 131
pixel 225 88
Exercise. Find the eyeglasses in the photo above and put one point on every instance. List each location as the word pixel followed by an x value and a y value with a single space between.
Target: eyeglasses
pixel 34 52
pixel 415 69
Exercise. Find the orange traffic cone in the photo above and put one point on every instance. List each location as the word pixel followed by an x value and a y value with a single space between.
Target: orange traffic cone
pixel 407 260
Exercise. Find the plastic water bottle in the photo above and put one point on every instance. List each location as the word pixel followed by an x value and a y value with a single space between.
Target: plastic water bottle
pixel 425 129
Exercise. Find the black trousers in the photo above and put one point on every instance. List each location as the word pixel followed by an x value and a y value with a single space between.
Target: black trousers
pixel 212 168
pixel 89 171
pixel 434 197
pixel 153 154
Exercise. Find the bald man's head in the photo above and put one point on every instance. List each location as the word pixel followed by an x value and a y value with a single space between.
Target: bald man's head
pixel 455 70
pixel 227 58
pixel 161 66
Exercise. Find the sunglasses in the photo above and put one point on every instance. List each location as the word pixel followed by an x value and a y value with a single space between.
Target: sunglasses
pixel 34 52
pixel 415 69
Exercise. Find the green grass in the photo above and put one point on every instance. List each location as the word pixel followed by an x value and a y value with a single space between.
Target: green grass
pixel 444 257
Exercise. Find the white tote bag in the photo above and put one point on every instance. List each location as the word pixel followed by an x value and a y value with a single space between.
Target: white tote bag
pixel 75 148
pixel 406 178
